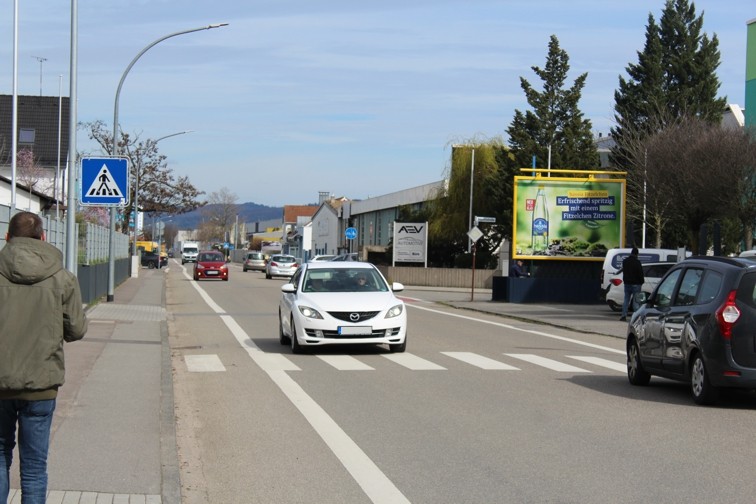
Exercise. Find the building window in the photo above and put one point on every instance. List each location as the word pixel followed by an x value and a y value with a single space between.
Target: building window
pixel 26 135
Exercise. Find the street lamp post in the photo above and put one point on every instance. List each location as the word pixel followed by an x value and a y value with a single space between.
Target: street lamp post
pixel 111 265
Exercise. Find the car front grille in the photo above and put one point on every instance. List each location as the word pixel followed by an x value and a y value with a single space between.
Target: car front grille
pixel 377 333
pixel 347 316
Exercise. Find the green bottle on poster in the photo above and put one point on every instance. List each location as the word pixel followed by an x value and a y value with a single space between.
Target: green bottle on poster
pixel 540 222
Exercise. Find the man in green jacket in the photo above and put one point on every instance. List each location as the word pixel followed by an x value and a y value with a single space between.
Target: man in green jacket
pixel 40 308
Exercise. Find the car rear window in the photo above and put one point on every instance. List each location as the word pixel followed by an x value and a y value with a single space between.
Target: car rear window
pixel 284 259
pixel 747 290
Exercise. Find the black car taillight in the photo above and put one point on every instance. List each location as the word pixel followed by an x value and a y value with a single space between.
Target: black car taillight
pixel 727 315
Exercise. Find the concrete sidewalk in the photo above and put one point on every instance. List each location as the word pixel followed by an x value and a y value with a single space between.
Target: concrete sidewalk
pixel 113 436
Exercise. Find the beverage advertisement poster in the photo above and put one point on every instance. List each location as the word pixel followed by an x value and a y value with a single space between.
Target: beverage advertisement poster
pixel 567 218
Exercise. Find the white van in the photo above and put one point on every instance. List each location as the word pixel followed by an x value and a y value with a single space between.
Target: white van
pixel 615 256
pixel 748 253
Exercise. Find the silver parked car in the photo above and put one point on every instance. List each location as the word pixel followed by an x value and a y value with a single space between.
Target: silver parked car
pixel 281 265
pixel 254 261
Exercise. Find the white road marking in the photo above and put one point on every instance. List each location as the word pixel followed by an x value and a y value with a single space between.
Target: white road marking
pixel 376 485
pixel 203 363
pixel 413 362
pixel 480 361
pixel 520 329
pixel 345 363
pixel 598 361
pixel 548 363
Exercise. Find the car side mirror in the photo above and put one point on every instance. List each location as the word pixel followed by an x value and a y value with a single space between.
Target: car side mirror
pixel 641 297
pixel 288 288
pixel 397 287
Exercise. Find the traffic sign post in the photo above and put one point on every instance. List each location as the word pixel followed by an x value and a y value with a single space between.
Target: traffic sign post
pixel 104 181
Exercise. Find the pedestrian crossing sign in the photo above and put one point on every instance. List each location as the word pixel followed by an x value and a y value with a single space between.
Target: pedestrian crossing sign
pixel 104 181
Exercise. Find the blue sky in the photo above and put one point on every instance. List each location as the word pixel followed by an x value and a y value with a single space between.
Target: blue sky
pixel 359 99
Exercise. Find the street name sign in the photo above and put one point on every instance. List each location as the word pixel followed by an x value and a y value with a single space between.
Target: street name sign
pixel 104 181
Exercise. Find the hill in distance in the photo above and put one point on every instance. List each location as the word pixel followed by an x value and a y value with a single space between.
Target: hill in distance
pixel 248 212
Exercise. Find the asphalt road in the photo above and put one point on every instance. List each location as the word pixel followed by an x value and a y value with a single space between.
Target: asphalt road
pixel 481 408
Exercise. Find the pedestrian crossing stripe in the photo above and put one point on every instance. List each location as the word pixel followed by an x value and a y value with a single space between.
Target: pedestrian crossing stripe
pixel 341 362
pixel 104 185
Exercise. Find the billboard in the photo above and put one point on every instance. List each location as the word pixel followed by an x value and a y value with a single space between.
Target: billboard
pixel 567 217
pixel 410 242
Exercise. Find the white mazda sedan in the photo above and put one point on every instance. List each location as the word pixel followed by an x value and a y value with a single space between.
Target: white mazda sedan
pixel 336 303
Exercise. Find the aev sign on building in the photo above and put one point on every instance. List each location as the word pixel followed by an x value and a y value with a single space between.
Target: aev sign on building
pixel 410 242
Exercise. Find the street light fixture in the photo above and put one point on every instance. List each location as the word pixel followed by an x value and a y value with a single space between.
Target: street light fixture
pixel 111 265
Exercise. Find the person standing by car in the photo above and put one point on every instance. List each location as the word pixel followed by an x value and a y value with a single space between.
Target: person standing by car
pixel 632 278
pixel 40 308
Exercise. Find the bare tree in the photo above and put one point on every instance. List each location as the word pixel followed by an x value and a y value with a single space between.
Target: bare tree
pixel 695 171
pixel 30 173
pixel 159 190
pixel 219 214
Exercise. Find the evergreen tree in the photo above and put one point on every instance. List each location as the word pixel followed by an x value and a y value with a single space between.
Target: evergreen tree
pixel 674 77
pixel 555 121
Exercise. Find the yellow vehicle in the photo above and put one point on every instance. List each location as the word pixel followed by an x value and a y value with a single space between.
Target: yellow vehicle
pixel 147 246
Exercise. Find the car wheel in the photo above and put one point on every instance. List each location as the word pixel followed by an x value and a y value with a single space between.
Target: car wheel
pixel 399 347
pixel 244 270
pixel 282 338
pixel 225 279
pixel 614 306
pixel 295 346
pixel 635 372
pixel 196 278
pixel 150 265
pixel 703 391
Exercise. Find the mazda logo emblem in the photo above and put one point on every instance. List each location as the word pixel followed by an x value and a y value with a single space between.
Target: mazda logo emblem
pixel 354 317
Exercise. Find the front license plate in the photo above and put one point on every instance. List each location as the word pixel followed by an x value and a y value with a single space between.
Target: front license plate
pixel 356 330
pixel 211 272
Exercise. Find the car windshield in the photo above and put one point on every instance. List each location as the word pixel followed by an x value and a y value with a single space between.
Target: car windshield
pixel 343 280
pixel 211 258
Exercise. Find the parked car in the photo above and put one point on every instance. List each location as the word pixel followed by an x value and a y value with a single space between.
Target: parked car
pixel 280 265
pixel 254 261
pixel 210 264
pixel 322 257
pixel 698 327
pixel 652 273
pixel 153 260
pixel 337 303
pixel 614 257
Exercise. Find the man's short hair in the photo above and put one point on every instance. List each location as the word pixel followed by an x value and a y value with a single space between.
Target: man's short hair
pixel 634 251
pixel 26 225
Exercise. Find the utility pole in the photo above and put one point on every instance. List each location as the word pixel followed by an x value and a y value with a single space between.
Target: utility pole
pixel 41 60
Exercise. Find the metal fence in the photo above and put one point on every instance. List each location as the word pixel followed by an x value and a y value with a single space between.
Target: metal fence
pixel 93 240
pixel 94 244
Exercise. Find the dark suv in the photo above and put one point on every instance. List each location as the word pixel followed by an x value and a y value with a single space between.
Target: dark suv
pixel 698 326
pixel 152 260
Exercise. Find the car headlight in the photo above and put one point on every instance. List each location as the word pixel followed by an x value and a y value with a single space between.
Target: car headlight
pixel 395 311
pixel 310 312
